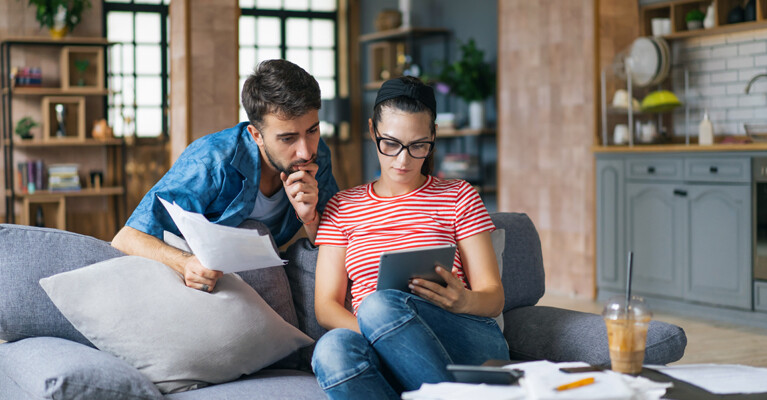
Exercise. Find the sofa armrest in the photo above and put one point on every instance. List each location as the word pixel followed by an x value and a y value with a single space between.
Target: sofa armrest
pixel 555 334
pixel 54 368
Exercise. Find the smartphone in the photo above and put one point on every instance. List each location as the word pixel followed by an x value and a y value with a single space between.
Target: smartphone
pixel 485 374
pixel 574 370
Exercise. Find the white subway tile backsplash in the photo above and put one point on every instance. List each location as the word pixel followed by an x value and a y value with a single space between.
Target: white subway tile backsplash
pixel 740 62
pixel 740 114
pixel 724 77
pixel 724 51
pixel 753 100
pixel 752 48
pixel 719 66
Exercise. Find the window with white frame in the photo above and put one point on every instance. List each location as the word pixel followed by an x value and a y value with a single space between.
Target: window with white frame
pixel 301 31
pixel 138 66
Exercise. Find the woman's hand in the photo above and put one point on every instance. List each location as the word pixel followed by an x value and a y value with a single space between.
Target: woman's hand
pixel 454 297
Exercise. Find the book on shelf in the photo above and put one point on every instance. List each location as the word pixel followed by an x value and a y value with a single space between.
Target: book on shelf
pixel 30 176
pixel 63 177
pixel 459 166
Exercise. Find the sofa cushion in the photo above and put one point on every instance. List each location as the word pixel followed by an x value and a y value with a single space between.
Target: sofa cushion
pixel 555 334
pixel 523 277
pixel 181 338
pixel 28 254
pixel 54 368
pixel 264 385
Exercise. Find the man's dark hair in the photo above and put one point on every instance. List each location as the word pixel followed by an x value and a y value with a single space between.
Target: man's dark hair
pixel 411 106
pixel 279 87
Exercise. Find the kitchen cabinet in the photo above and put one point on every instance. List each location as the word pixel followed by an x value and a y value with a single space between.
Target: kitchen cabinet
pixel 611 253
pixel 688 221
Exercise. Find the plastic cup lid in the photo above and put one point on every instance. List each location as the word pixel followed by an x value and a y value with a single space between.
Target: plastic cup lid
pixel 616 309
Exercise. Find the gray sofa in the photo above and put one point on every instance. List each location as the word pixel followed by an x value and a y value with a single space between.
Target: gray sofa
pixel 46 358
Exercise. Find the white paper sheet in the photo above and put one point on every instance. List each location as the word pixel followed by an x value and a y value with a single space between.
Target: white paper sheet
pixel 223 248
pixel 719 378
pixel 541 377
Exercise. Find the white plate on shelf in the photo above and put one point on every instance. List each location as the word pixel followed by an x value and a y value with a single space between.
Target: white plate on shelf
pixel 645 61
pixel 665 60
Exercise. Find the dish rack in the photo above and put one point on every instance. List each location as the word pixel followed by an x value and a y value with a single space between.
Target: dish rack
pixel 756 132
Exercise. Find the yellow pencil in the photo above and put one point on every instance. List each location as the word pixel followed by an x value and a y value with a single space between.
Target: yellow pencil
pixel 573 385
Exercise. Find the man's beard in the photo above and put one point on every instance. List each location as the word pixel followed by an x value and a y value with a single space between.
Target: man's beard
pixel 286 169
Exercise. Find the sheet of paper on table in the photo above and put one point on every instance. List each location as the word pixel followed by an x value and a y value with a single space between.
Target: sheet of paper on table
pixel 719 378
pixel 223 248
pixel 541 377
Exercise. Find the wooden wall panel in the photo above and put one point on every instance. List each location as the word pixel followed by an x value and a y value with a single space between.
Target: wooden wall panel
pixel 546 100
pixel 205 93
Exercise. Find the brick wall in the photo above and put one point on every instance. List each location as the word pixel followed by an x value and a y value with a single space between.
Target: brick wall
pixel 719 67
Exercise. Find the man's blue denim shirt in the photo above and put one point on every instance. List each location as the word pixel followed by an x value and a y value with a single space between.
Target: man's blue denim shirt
pixel 218 176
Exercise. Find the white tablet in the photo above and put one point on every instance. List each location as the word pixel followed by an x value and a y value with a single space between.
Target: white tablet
pixel 396 268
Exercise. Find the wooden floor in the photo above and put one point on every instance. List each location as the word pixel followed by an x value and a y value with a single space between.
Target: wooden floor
pixel 707 341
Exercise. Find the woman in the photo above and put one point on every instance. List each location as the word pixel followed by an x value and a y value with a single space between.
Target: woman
pixel 393 340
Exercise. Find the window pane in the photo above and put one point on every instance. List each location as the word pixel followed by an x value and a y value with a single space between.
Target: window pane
pixel 323 5
pixel 150 59
pixel 326 129
pixel 120 26
pixel 124 123
pixel 268 53
pixel 247 31
pixel 147 2
pixel 147 28
pixel 268 31
pixel 126 95
pixel 246 3
pixel 148 91
pixel 297 31
pixel 300 57
pixel 269 4
pixel 127 59
pixel 114 54
pixel 327 87
pixel 296 4
pixel 243 115
pixel 115 85
pixel 148 122
pixel 323 33
pixel 323 63
pixel 247 60
pixel 119 1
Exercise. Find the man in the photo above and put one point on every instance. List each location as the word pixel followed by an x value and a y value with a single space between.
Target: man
pixel 274 169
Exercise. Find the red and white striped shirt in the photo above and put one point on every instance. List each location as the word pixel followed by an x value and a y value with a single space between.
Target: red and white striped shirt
pixel 437 213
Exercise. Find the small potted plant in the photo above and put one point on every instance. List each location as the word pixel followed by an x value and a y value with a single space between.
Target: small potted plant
pixel 24 126
pixel 59 16
pixel 81 66
pixel 694 19
pixel 471 79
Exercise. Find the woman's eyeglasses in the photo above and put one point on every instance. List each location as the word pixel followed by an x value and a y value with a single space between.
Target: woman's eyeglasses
pixel 392 147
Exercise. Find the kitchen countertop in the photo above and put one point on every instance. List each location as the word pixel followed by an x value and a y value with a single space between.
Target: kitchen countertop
pixel 676 148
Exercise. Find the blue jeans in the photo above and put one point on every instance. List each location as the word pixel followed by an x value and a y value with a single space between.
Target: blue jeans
pixel 405 341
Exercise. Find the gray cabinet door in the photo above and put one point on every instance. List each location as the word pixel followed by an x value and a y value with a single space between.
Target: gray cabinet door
pixel 719 232
pixel 654 225
pixel 611 253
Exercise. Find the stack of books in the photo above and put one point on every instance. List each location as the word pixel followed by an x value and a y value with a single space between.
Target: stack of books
pixel 29 176
pixel 63 177
pixel 459 166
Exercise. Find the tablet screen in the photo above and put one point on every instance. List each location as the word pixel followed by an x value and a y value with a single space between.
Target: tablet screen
pixel 396 268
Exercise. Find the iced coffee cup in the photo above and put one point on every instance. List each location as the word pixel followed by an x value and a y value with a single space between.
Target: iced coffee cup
pixel 627 332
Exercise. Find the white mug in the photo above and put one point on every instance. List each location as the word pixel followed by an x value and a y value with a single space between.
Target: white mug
pixel 649 133
pixel 621 134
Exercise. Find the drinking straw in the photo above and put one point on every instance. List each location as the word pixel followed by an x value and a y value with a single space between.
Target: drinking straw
pixel 628 278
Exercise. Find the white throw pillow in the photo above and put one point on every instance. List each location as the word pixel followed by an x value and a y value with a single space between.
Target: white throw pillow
pixel 498 237
pixel 180 338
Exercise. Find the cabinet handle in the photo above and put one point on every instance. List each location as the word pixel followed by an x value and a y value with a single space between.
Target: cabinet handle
pixel 680 193
pixel 713 169
pixel 650 170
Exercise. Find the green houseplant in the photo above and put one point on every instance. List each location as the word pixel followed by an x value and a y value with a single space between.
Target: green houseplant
pixel 24 126
pixel 59 16
pixel 472 79
pixel 694 19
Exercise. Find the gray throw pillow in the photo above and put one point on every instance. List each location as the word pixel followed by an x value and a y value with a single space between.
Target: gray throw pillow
pixel 180 338
pixel 54 368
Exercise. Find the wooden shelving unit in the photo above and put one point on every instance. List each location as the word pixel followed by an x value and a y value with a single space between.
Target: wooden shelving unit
pixel 74 88
pixel 677 10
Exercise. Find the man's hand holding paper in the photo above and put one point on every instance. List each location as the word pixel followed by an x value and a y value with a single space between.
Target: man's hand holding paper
pixel 219 249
